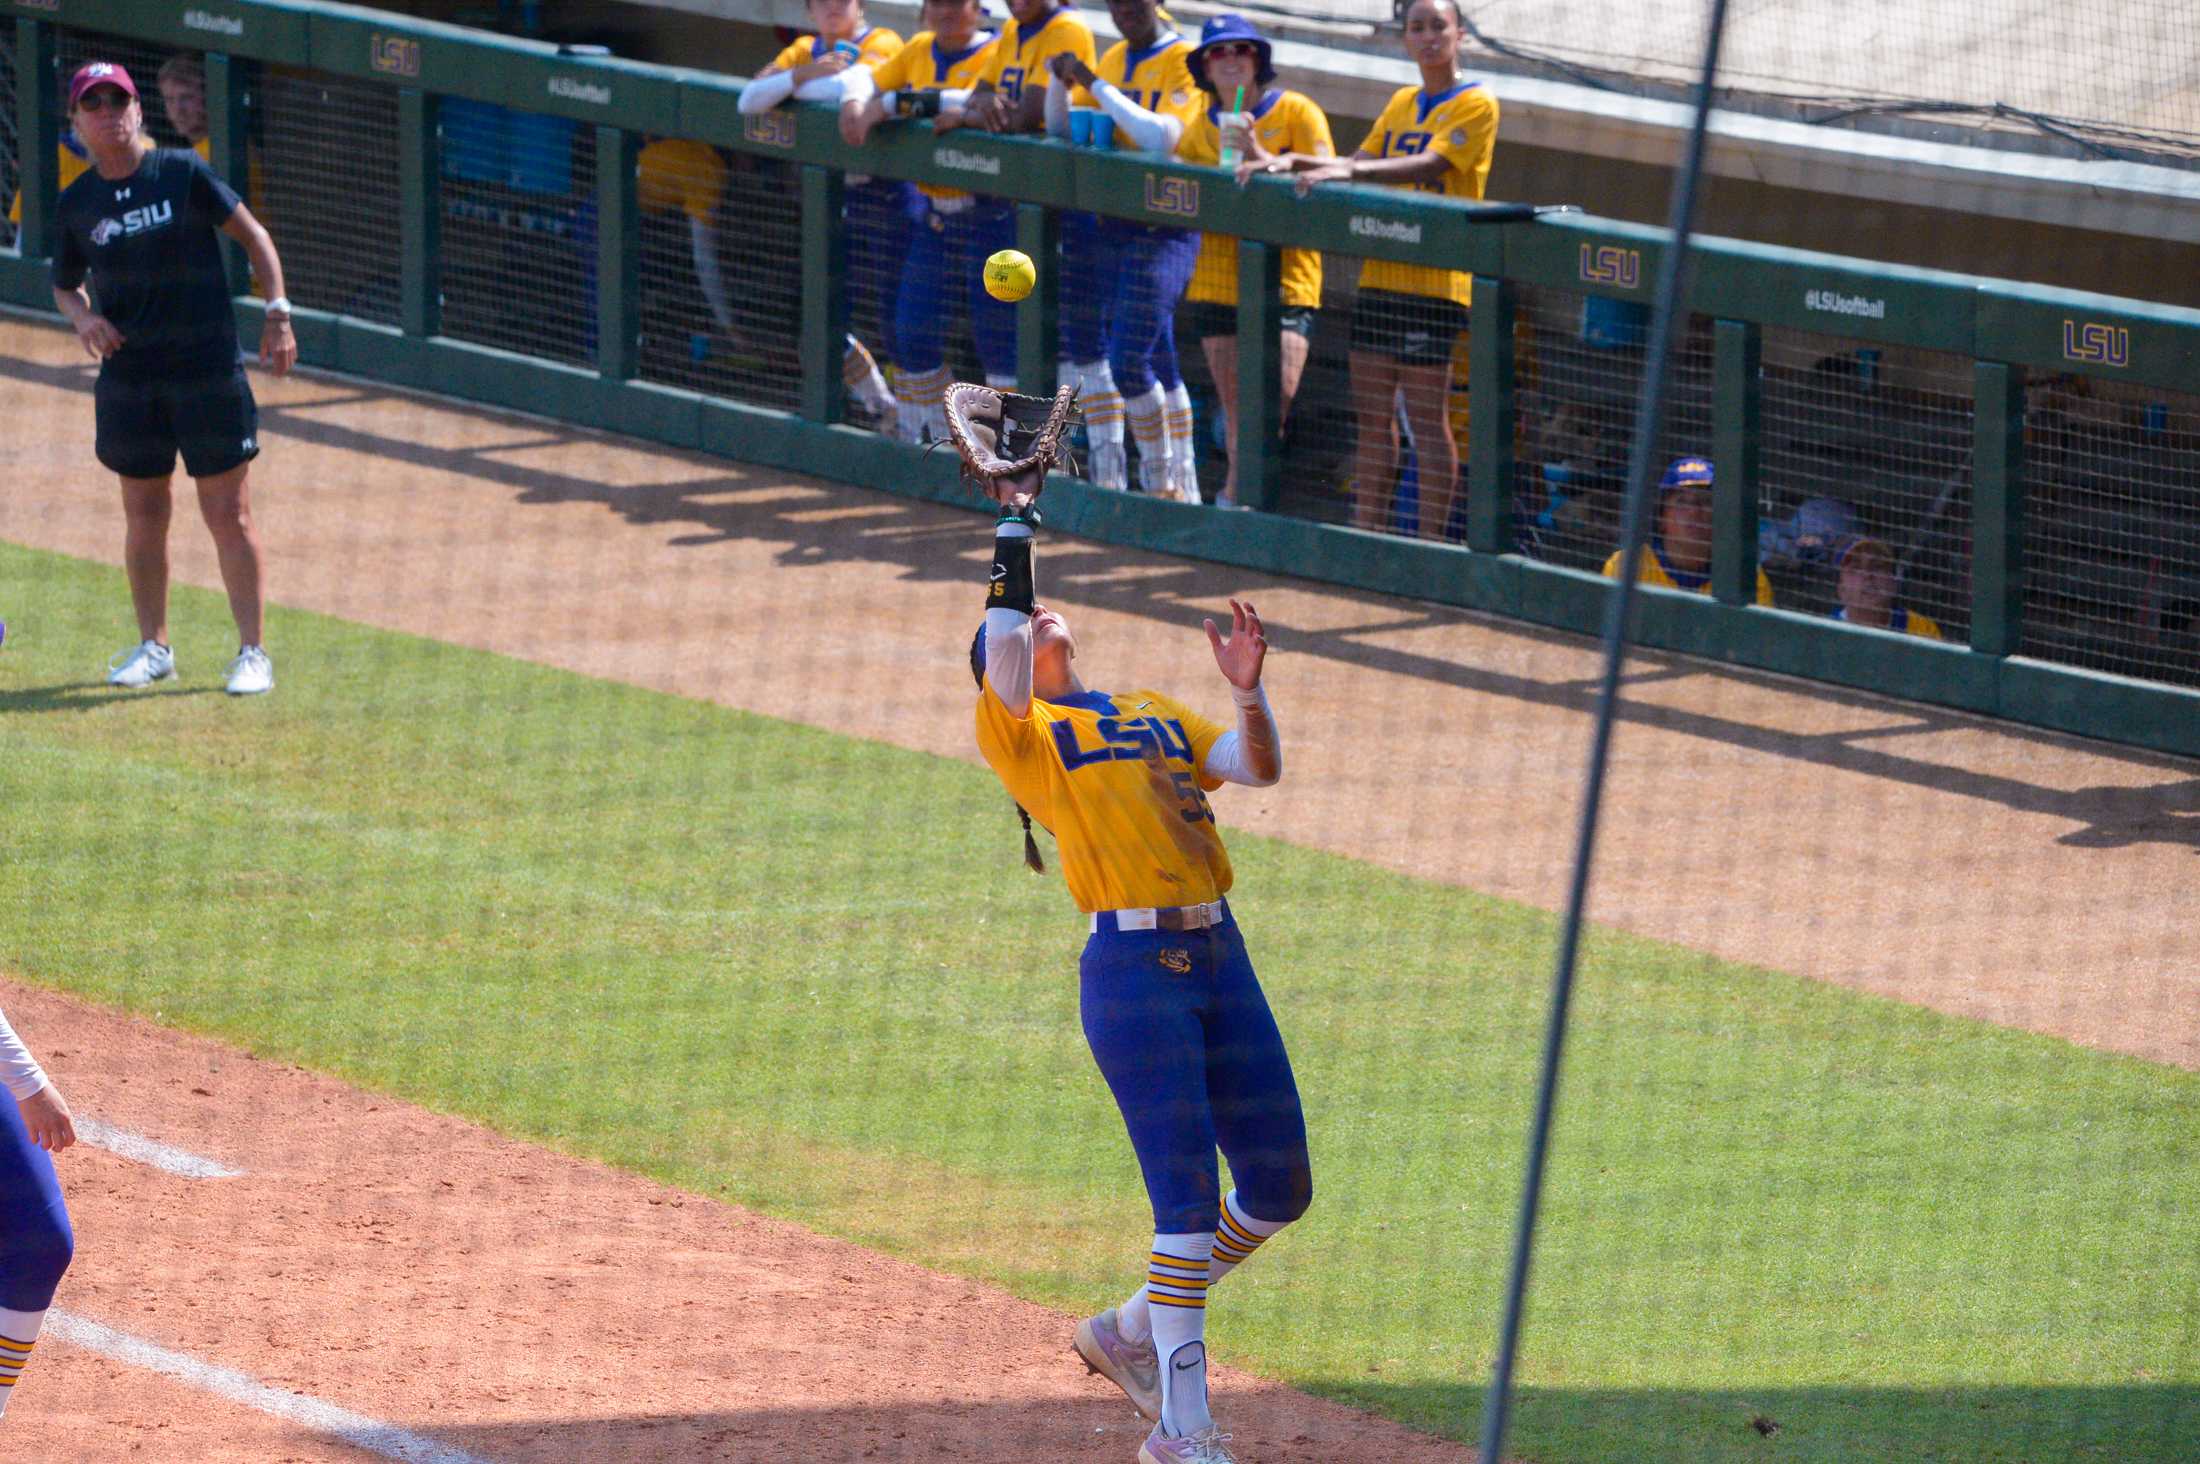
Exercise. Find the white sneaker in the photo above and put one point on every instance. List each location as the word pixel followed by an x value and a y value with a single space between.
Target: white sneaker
pixel 141 665
pixel 251 673
pixel 1111 466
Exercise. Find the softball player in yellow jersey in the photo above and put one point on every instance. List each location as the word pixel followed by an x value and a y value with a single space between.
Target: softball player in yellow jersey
pixel 1233 58
pixel 1436 137
pixel 1871 590
pixel 1678 556
pixel 941 266
pixel 1168 1000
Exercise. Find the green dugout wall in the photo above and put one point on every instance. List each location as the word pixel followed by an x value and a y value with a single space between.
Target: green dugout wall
pixel 2005 330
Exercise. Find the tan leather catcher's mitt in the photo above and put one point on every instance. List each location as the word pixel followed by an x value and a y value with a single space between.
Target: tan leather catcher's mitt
pixel 1007 440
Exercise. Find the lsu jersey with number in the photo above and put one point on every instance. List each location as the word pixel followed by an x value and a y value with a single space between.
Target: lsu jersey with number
pixel 1116 779
pixel 1157 78
pixel 1461 124
pixel 874 47
pixel 1022 57
pixel 924 64
pixel 1284 121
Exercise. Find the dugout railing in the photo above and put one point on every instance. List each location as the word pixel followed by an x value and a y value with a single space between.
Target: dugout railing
pixel 1761 320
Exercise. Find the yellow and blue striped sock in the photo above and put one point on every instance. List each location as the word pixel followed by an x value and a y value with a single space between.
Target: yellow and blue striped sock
pixel 1237 1236
pixel 1176 1294
pixel 14 1353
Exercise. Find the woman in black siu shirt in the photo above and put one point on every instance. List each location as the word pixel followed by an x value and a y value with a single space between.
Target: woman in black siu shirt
pixel 141 224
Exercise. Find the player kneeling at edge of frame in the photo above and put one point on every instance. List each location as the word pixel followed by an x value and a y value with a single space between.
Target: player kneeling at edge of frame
pixel 1171 1008
pixel 140 224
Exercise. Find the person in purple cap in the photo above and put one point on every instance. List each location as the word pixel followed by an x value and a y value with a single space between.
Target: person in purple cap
pixel 1678 556
pixel 140 227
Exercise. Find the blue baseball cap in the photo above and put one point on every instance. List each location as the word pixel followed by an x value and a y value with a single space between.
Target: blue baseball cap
pixel 1687 472
pixel 1220 29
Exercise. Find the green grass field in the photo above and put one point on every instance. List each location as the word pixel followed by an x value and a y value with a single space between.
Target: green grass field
pixel 818 982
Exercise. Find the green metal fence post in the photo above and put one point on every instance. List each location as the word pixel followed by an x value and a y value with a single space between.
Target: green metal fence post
pixel 824 293
pixel 1039 317
pixel 1997 509
pixel 419 214
pixel 1490 418
pixel 229 126
pixel 1737 398
pixel 38 133
pixel 618 250
pixel 1259 374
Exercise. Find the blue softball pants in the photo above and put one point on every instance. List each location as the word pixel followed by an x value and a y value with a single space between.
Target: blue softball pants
pixel 1182 1032
pixel 881 215
pixel 1088 287
pixel 36 1243
pixel 946 257
pixel 1152 269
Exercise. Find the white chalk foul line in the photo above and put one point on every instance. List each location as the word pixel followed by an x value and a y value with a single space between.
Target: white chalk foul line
pixel 150 1151
pixel 388 1440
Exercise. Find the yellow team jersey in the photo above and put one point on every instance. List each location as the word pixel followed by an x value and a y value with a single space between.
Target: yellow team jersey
pixel 1905 621
pixel 1656 573
pixel 678 174
pixel 1285 121
pixel 1157 78
pixel 1021 58
pixel 921 65
pixel 1117 781
pixel 1462 125
pixel 876 46
pixel 73 166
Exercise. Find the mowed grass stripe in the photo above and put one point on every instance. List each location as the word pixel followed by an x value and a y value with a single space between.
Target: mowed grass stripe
pixel 808 973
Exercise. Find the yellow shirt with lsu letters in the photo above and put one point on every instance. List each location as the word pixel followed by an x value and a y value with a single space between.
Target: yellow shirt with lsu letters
pixel 679 173
pixel 1158 78
pixel 1656 573
pixel 1284 121
pixel 1021 58
pixel 921 65
pixel 1116 779
pixel 1461 124
pixel 875 46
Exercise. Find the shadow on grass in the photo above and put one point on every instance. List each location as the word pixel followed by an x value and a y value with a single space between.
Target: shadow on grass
pixel 85 696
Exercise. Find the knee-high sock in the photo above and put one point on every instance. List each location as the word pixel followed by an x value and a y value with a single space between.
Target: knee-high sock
pixel 1183 453
pixel 1176 1295
pixel 1237 1236
pixel 1101 402
pixel 18 1334
pixel 860 374
pixel 1149 429
pixel 919 398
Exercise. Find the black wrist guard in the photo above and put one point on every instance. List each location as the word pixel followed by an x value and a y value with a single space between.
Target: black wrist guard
pixel 1011 588
pixel 924 102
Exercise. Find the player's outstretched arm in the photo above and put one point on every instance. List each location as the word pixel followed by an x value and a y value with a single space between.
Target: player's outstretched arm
pixel 1010 594
pixel 1253 754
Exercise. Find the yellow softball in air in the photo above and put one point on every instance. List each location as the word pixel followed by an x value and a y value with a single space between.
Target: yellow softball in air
pixel 1010 275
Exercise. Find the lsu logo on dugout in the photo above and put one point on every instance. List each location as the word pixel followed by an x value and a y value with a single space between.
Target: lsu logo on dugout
pixel 2096 344
pixel 394 55
pixel 1608 264
pixel 772 129
pixel 1177 197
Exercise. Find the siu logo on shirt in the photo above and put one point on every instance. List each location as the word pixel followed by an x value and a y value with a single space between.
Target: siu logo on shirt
pixel 136 221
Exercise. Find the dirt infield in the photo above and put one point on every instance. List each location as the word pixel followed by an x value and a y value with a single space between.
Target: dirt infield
pixel 2013 877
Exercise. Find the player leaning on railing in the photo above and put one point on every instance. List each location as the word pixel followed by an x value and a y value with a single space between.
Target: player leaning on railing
pixel 825 67
pixel 1171 1009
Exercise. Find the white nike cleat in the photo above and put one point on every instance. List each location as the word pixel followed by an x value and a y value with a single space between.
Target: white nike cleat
pixel 251 673
pixel 141 665
pixel 1111 466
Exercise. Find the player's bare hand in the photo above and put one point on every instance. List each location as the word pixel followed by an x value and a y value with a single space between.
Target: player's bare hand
pixel 1240 656
pixel 832 63
pixel 1326 170
pixel 99 336
pixel 278 345
pixel 1073 71
pixel 46 1117
pixel 855 123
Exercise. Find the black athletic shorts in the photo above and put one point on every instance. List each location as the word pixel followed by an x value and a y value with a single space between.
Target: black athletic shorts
pixel 1212 318
pixel 144 422
pixel 1413 330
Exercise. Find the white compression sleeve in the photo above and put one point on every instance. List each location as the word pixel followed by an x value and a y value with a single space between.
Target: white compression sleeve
pixel 20 1073
pixel 1057 107
pixel 842 88
pixel 1154 132
pixel 703 243
pixel 1229 759
pixel 766 92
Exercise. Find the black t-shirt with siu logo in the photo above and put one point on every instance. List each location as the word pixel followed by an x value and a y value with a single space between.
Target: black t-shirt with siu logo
pixel 150 245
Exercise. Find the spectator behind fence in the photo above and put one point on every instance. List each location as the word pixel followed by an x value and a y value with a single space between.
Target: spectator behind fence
pixel 1233 59
pixel 1135 273
pixel 1871 592
pixel 182 83
pixel 1438 138
pixel 1678 556
pixel 930 77
pixel 682 183
pixel 878 212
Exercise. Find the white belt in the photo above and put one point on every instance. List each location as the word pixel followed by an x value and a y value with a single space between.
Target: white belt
pixel 1177 917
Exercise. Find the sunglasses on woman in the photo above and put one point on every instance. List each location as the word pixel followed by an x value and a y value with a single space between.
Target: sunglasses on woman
pixel 1234 48
pixel 103 99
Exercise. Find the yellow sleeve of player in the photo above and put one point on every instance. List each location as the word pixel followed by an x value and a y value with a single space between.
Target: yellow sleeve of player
pixel 1764 588
pixel 1395 118
pixel 1201 733
pixel 1015 749
pixel 893 73
pixel 877 45
pixel 1001 57
pixel 1464 130
pixel 798 54
pixel 1068 35
pixel 1201 141
pixel 1181 97
pixel 1309 126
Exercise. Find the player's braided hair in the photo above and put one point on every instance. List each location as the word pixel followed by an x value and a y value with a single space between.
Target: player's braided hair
pixel 1032 861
